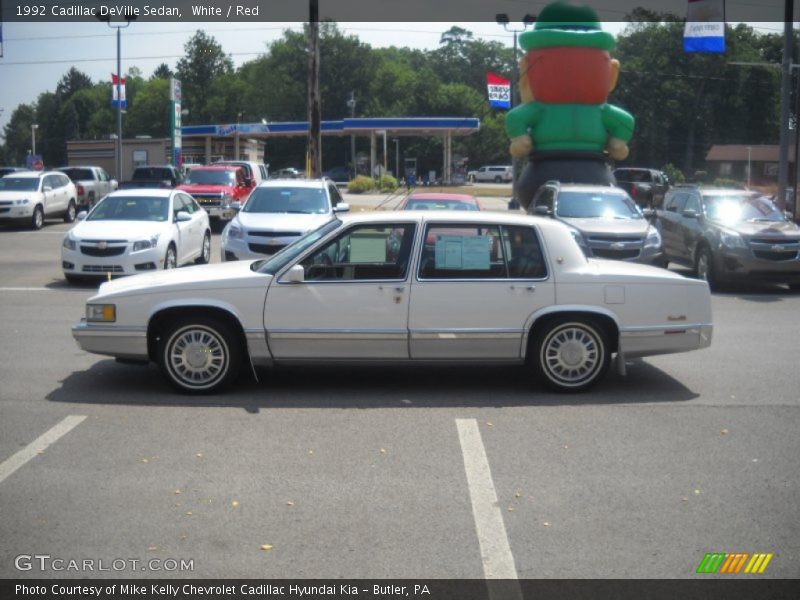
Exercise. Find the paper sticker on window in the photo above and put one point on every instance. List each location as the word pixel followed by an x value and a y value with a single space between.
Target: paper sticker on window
pixel 368 249
pixel 463 252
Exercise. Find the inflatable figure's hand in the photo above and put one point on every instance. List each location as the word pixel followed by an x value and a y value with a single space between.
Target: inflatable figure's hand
pixel 521 146
pixel 617 149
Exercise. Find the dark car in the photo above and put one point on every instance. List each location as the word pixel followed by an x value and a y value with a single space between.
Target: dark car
pixel 8 170
pixel 440 201
pixel 604 221
pixel 728 235
pixel 647 187
pixel 338 174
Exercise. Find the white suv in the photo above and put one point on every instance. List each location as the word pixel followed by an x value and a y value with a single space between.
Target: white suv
pixel 496 174
pixel 33 196
pixel 278 212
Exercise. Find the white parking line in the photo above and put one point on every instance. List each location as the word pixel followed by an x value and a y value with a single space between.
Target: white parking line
pixel 8 466
pixel 498 562
pixel 43 289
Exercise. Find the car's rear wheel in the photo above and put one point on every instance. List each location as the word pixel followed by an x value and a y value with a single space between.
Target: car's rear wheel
pixel 37 220
pixel 205 252
pixel 69 216
pixel 704 267
pixel 571 354
pixel 170 258
pixel 498 179
pixel 200 355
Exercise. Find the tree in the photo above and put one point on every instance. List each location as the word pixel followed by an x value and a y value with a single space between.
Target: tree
pixel 150 111
pixel 204 61
pixel 162 72
pixel 17 133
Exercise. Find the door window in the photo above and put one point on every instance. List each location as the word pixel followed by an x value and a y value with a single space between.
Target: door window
pixel 546 198
pixel 363 252
pixel 462 251
pixel 523 253
pixel 676 202
pixel 692 203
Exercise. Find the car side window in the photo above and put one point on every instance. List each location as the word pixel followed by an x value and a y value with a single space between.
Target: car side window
pixel 334 194
pixel 523 253
pixel 545 198
pixel 186 203
pixel 462 251
pixel 363 252
pixel 676 202
pixel 48 181
pixel 692 203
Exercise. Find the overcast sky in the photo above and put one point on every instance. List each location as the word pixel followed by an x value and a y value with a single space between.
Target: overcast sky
pixel 36 55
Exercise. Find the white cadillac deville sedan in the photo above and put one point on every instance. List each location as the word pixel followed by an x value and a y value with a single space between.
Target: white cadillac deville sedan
pixel 421 287
pixel 131 231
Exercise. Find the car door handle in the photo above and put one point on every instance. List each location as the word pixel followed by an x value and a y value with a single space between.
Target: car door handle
pixel 528 288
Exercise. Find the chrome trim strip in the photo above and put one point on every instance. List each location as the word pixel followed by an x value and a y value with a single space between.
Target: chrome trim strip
pixel 85 330
pixel 337 334
pixel 647 330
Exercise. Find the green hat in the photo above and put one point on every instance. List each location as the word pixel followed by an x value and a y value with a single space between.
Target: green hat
pixel 564 24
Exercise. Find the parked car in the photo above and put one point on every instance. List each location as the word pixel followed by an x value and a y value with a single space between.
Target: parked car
pixel 134 231
pixel 92 184
pixel 8 170
pixel 439 201
pixel 276 214
pixel 288 173
pixel 496 174
pixel 33 196
pixel 604 221
pixel 254 173
pixel 646 186
pixel 728 235
pixel 338 174
pixel 219 188
pixel 368 288
pixel 151 176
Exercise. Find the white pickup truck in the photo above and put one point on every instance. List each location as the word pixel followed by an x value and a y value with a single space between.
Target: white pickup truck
pixel 92 183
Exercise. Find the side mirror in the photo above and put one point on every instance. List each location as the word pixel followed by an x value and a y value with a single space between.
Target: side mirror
pixel 542 211
pixel 648 213
pixel 236 205
pixel 295 274
pixel 341 207
pixel 81 215
pixel 689 213
pixel 182 216
pixel 114 184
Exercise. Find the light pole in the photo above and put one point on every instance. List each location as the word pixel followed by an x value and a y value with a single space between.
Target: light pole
pixel 118 146
pixel 749 148
pixel 502 19
pixel 351 104
pixel 396 157
pixel 34 127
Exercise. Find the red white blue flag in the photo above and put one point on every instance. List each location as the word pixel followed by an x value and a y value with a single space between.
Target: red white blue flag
pixel 114 81
pixel 499 91
pixel 705 26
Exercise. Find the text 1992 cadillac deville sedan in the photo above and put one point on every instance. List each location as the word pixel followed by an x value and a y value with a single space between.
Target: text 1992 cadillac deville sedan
pixel 422 287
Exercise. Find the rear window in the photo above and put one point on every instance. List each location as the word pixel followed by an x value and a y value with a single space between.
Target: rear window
pixel 152 173
pixel 78 174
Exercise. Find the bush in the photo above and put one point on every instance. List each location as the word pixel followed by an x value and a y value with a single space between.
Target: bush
pixel 724 182
pixel 700 176
pixel 674 173
pixel 387 183
pixel 360 185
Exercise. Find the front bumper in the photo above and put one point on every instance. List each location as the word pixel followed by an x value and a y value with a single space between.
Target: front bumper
pixel 737 264
pixel 253 247
pixel 108 340
pixel 16 212
pixel 78 264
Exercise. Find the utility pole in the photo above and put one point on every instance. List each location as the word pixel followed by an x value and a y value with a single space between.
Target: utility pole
pixel 351 104
pixel 314 120
pixel 786 82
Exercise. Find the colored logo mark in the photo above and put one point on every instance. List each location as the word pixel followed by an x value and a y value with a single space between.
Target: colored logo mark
pixel 734 563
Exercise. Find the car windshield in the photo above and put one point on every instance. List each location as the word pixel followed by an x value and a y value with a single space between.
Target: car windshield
pixel 77 174
pixel 211 177
pixel 19 184
pixel 594 205
pixel 730 208
pixel 301 200
pixel 634 176
pixel 279 260
pixel 130 208
pixel 439 205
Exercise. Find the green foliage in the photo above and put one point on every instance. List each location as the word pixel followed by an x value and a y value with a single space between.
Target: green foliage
pixel 725 182
pixel 204 61
pixel 674 174
pixel 387 183
pixel 361 184
pixel 700 177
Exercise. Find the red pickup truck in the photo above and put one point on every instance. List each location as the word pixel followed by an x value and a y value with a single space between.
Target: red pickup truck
pixel 219 189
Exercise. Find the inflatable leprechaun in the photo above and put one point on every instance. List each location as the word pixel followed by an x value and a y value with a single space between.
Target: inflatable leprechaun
pixel 564 126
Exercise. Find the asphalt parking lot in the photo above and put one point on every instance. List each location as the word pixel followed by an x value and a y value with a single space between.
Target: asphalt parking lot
pixel 393 472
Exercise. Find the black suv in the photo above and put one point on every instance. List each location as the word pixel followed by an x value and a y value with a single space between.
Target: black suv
pixel 728 235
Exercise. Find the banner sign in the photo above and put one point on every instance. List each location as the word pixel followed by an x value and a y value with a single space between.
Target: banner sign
pixel 705 27
pixel 175 122
pixel 499 91
pixel 114 82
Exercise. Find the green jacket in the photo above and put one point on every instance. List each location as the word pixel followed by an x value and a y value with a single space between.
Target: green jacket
pixel 583 127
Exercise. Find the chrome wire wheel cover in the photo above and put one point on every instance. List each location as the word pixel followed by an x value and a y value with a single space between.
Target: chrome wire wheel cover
pixel 197 357
pixel 572 354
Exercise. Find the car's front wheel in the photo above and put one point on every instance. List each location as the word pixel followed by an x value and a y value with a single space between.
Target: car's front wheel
pixel 170 258
pixel 704 267
pixel 200 355
pixel 205 251
pixel 37 220
pixel 571 354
